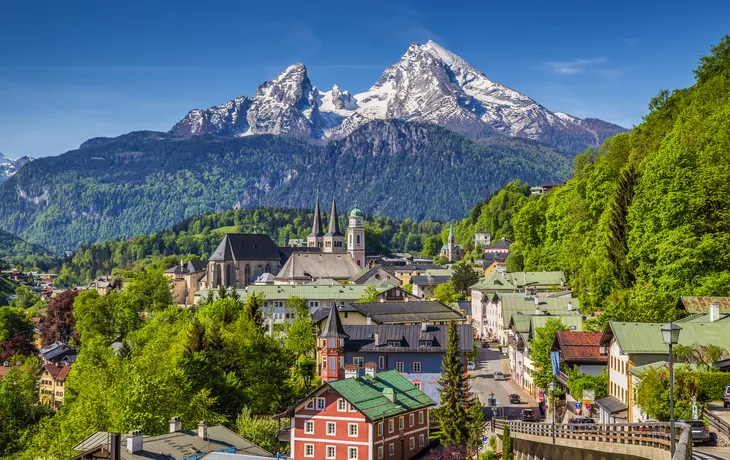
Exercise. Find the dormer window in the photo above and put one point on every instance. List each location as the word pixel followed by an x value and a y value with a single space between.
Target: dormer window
pixel 426 343
pixel 394 343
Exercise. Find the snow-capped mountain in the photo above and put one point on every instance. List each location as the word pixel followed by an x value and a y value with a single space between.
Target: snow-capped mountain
pixel 429 84
pixel 9 167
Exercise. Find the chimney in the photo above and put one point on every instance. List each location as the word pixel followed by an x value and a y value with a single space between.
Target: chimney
pixel 370 369
pixel 602 350
pixel 351 371
pixel 714 312
pixel 175 424
pixel 202 430
pixel 537 300
pixel 115 446
pixel 377 339
pixel 570 306
pixel 134 442
pixel 369 320
pixel 424 326
pixel 390 394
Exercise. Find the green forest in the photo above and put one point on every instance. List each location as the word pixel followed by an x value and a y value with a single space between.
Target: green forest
pixel 646 217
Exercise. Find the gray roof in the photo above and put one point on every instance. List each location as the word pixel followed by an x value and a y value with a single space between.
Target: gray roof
pixel 333 327
pixel 317 222
pixel 611 405
pixel 504 243
pixel 362 338
pixel 178 445
pixel 429 280
pixel 313 265
pixel 192 266
pixel 334 227
pixel 398 312
pixel 285 253
pixel 244 246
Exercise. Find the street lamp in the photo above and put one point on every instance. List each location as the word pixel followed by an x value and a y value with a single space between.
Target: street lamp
pixel 670 335
pixel 552 403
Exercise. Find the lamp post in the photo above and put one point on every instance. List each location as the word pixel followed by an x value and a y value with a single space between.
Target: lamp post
pixel 670 335
pixel 552 403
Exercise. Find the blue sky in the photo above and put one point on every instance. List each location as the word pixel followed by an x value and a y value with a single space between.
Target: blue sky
pixel 70 71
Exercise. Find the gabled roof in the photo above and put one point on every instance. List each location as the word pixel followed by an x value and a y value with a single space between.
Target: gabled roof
pixel 373 275
pixel 695 304
pixel 193 266
pixel 57 372
pixel 414 267
pixel 407 312
pixel 285 253
pixel 334 227
pixel 309 266
pixel 333 327
pixel 362 338
pixel 703 318
pixel 571 319
pixel 527 279
pixel 580 347
pixel 244 246
pixel 646 338
pixel 366 394
pixel 439 272
pixel 504 243
pixel 494 282
pixel 513 303
pixel 429 280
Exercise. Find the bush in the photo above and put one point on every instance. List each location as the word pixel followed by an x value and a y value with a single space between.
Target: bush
pixel 507 453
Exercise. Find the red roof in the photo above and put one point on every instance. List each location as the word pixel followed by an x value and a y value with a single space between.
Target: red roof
pixel 580 347
pixel 3 371
pixel 57 372
pixel 35 321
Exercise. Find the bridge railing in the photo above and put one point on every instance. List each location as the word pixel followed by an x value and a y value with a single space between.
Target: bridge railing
pixel 652 435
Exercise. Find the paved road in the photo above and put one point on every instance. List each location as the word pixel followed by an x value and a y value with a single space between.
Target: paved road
pixel 710 453
pixel 488 362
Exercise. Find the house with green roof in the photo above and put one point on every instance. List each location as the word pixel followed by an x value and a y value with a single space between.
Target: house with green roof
pixel 537 281
pixel 482 294
pixel 377 415
pixel 632 345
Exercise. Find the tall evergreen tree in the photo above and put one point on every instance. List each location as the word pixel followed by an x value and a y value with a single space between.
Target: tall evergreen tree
pixel 463 277
pixel 453 392
pixel 618 227
pixel 507 453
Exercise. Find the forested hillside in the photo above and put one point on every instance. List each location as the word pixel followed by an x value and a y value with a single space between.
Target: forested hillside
pixel 145 181
pixel 18 253
pixel 200 236
pixel 646 218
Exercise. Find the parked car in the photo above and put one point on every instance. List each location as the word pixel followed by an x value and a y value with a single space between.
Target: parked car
pixel 485 344
pixel 498 376
pixel 726 398
pixel 528 415
pixel 514 399
pixel 700 432
pixel 470 366
pixel 581 424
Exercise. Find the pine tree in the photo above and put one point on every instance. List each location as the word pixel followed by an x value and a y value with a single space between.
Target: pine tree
pixel 452 389
pixel 618 227
pixel 476 422
pixel 507 453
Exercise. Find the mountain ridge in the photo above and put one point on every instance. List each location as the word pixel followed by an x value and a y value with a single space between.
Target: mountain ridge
pixel 429 84
pixel 9 167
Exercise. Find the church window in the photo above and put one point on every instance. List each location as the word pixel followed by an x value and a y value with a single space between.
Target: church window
pixel 358 239
pixel 268 268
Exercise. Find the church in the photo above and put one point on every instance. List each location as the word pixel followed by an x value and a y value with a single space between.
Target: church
pixel 240 259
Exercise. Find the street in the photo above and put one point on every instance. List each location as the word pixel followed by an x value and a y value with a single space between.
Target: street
pixel 489 361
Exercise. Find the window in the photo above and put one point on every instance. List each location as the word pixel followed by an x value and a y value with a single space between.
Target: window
pixel 352 452
pixel 309 450
pixel 381 362
pixel 380 429
pixel 320 403
pixel 324 362
pixel 411 419
pixel 331 429
pixel 400 366
pixel 421 441
pixel 342 362
pixel 391 426
pixel 391 449
pixel 352 429
pixel 394 343
pixel 314 304
pixel 380 451
pixel 358 239
pixel 417 384
pixel 401 423
pixel 417 366
pixel 341 405
pixel 331 452
pixel 426 343
pixel 310 404
pixel 359 360
pixel 412 443
pixel 309 427
pixel 351 408
pixel 420 418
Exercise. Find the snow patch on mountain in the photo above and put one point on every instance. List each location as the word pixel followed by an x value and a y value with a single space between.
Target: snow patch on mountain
pixel 9 167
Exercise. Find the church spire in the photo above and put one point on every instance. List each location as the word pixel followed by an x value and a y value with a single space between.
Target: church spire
pixel 451 233
pixel 334 228
pixel 317 224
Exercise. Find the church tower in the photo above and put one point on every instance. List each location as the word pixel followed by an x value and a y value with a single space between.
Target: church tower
pixel 450 245
pixel 332 345
pixel 334 240
pixel 314 239
pixel 356 237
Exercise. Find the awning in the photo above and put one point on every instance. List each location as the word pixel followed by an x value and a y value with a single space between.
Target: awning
pixel 611 405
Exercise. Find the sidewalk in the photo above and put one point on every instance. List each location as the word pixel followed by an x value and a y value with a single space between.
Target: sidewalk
pixel 524 395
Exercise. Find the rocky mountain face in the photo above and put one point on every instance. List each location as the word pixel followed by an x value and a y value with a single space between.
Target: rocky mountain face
pixel 429 84
pixel 9 167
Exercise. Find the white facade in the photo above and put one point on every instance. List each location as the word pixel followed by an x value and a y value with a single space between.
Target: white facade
pixel 356 239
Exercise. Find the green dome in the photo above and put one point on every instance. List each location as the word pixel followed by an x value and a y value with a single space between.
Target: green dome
pixel 355 213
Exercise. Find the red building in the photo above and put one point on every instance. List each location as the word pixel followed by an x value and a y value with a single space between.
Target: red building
pixel 373 417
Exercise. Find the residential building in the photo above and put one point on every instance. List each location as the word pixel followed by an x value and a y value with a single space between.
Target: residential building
pixel 375 274
pixel 304 267
pixel 544 188
pixel 696 304
pixel 186 280
pixel 178 444
pixel 482 239
pixel 380 415
pixel 494 262
pixel 103 285
pixel 534 282
pixel 408 312
pixel 451 250
pixel 405 272
pixel 423 286
pixel 582 350
pixel 51 387
pixel 501 246
pixel 296 243
pixel 58 353
pixel 416 351
pixel 633 345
